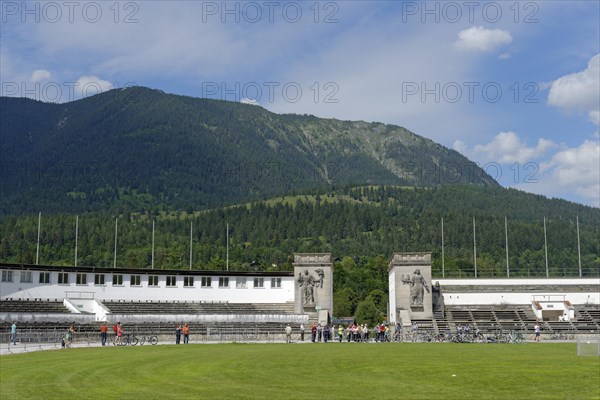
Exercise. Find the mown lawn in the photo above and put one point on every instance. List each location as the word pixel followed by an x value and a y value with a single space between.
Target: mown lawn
pixel 304 371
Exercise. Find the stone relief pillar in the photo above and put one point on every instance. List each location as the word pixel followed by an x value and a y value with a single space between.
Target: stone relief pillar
pixel 313 291
pixel 410 287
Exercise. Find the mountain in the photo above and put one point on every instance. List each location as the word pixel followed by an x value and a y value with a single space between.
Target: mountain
pixel 142 149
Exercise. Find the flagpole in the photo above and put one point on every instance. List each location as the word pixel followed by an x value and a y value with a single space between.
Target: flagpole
pixel 546 246
pixel 227 259
pixel 115 255
pixel 37 255
pixel 76 234
pixel 191 230
pixel 506 241
pixel 578 247
pixel 443 270
pixel 474 248
pixel 152 244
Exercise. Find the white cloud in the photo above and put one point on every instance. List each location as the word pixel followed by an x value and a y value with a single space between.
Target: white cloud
pixel 245 100
pixel 579 92
pixel 478 38
pixel 569 172
pixel 578 169
pixel 40 75
pixel 91 85
pixel 505 148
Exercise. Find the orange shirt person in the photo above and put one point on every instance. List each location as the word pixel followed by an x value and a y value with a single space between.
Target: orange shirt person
pixel 103 333
pixel 186 333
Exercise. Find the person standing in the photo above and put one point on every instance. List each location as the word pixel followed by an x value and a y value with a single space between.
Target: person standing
pixel 72 332
pixel 302 332
pixel 186 334
pixel 13 333
pixel 536 329
pixel 178 334
pixel 118 334
pixel 115 328
pixel 68 338
pixel 313 332
pixel 103 333
pixel 288 334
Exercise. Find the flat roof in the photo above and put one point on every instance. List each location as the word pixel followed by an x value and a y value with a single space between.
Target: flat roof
pixel 149 271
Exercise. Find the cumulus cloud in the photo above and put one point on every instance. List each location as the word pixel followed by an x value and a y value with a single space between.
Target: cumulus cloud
pixel 578 169
pixel 246 100
pixel 40 75
pixel 506 147
pixel 90 85
pixel 559 173
pixel 579 92
pixel 478 38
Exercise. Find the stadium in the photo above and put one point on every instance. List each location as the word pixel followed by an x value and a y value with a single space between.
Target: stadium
pixel 244 315
pixel 45 300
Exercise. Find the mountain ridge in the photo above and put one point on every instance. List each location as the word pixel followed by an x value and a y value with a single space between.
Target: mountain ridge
pixel 180 152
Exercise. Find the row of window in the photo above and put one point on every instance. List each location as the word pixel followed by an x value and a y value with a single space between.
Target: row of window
pixel 136 280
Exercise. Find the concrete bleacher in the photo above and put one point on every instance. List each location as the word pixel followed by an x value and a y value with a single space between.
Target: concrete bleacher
pixel 490 319
pixel 178 307
pixel 32 306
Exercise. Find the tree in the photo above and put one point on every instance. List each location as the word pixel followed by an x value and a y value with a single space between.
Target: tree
pixel 367 313
pixel 344 302
pixel 379 298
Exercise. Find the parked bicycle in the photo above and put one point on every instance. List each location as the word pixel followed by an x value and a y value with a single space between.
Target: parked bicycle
pixel 153 340
pixel 127 339
pixel 558 336
pixel 516 337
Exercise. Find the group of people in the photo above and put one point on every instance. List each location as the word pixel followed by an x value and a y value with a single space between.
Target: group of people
pixel 351 333
pixel 185 330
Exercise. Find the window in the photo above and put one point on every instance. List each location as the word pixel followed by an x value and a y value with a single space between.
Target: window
pixel 117 280
pixel 188 281
pixel 98 279
pixel 206 281
pixel 224 281
pixel 81 279
pixel 171 281
pixel 275 282
pixel 63 278
pixel 7 276
pixel 240 282
pixel 153 280
pixel 26 277
pixel 44 277
pixel 259 282
pixel 136 280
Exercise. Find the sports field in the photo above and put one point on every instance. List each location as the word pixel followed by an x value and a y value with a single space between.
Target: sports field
pixel 304 371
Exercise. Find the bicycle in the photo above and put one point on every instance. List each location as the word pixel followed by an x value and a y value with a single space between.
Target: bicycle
pixel 128 339
pixel 558 336
pixel 153 340
pixel 516 337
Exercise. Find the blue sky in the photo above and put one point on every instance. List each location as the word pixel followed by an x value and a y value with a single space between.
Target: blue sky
pixel 512 85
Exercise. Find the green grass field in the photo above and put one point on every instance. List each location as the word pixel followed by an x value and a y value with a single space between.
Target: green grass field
pixel 304 371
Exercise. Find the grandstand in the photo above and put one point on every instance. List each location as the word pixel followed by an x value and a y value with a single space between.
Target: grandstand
pixel 247 305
